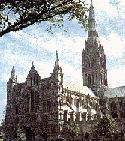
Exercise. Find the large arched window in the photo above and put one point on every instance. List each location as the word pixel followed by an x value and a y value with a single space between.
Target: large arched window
pixel 36 101
pixel 32 101
pixel 27 104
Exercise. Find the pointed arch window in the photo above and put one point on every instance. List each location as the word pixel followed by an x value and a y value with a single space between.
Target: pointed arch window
pixel 89 79
pixel 92 62
pixel 86 79
pixel 32 101
pixel 17 111
pixel 36 101
pixel 48 106
pixel 27 104
pixel 34 80
pixel 31 81
pixel 93 79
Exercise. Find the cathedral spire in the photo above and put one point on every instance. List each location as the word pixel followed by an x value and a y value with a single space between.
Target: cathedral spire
pixel 57 59
pixel 91 15
pixel 92 33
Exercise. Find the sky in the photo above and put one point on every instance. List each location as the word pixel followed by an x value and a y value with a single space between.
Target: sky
pixel 20 48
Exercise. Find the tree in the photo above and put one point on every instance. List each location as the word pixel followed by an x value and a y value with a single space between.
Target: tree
pixel 28 12
pixel 106 126
pixel 71 130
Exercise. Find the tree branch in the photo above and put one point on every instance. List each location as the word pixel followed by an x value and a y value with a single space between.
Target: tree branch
pixel 32 18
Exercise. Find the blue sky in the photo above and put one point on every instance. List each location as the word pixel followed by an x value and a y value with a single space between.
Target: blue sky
pixel 20 48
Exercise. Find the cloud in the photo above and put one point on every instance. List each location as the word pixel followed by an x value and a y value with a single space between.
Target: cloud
pixel 116 77
pixel 113 45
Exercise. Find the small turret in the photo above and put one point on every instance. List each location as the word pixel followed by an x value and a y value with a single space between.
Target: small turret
pixel 10 84
pixel 13 77
pixel 13 73
pixel 57 74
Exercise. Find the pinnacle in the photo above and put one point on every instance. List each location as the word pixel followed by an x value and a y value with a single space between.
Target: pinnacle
pixel 57 57
pixel 13 69
pixel 91 3
pixel 32 63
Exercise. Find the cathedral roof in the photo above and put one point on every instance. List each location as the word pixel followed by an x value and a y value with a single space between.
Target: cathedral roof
pixel 79 88
pixel 113 92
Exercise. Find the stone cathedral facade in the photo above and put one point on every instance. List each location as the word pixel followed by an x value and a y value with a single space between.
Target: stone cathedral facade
pixel 40 108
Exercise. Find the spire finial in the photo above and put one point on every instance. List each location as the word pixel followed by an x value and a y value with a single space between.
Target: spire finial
pixel 91 1
pixel 57 57
pixel 32 63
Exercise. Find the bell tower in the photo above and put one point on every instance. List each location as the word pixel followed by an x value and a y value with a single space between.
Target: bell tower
pixel 94 71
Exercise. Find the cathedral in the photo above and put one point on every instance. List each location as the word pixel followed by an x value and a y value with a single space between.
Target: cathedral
pixel 39 108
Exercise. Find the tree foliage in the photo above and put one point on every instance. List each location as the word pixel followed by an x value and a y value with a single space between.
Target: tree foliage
pixel 71 130
pixel 28 12
pixel 106 126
